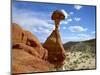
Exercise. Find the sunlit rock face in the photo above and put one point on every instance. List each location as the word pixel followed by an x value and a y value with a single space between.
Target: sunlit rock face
pixel 28 55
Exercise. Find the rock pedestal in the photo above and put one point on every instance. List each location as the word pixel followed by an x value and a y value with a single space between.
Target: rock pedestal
pixel 56 52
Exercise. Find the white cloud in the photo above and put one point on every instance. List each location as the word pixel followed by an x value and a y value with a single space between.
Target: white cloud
pixel 93 32
pixel 77 29
pixel 77 19
pixel 65 13
pixel 71 13
pixel 42 30
pixel 78 7
pixel 29 21
pixel 66 21
pixel 64 27
pixel 69 20
pixel 83 35
pixel 77 37
pixel 69 38
pixel 27 17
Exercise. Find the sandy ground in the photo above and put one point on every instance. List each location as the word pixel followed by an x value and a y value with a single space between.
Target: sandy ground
pixel 78 61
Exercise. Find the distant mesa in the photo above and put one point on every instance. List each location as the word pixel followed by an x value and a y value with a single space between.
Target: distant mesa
pixel 81 45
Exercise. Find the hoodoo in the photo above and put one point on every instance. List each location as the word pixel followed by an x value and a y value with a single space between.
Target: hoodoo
pixel 56 52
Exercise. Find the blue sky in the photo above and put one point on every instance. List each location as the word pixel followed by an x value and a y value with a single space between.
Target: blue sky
pixel 79 23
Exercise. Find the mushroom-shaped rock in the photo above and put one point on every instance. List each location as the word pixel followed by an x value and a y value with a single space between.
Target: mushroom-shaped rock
pixel 57 16
pixel 56 52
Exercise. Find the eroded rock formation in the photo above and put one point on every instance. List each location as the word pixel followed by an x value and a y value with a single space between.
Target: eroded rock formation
pixel 28 55
pixel 56 52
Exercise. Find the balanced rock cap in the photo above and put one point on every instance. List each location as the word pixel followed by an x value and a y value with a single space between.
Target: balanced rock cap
pixel 58 15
